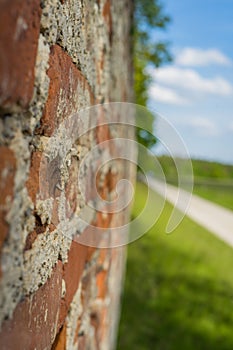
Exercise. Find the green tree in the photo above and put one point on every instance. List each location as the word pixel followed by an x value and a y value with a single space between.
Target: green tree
pixel 148 15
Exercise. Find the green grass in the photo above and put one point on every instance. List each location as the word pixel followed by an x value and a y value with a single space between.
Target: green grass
pixel 201 168
pixel 212 180
pixel 178 289
pixel 222 195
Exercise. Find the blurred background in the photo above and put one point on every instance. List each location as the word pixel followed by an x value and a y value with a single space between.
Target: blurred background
pixel 179 287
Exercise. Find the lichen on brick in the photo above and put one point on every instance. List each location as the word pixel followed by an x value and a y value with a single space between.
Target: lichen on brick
pixel 83 58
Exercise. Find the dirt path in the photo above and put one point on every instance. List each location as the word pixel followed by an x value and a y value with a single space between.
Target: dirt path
pixel 213 217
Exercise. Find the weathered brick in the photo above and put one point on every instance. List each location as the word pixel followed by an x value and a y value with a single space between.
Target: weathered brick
pixel 101 281
pixel 60 341
pixel 92 50
pixel 103 220
pixel 32 183
pixel 73 271
pixel 19 32
pixel 72 188
pixel 68 91
pixel 90 252
pixel 7 174
pixel 99 320
pixel 31 237
pixel 108 17
pixel 42 176
pixel 102 132
pixel 104 255
pixel 34 322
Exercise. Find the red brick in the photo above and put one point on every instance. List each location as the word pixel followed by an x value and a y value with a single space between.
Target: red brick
pixel 31 237
pixel 102 133
pixel 32 183
pixel 64 80
pixel 103 221
pixel 104 254
pixel 40 172
pixel 72 188
pixel 19 32
pixel 39 228
pixel 109 184
pixel 101 281
pixel 90 252
pixel 73 271
pixel 34 321
pixel 7 174
pixel 60 341
pixel 77 331
pixel 99 322
pixel 104 325
pixel 44 174
pixel 108 17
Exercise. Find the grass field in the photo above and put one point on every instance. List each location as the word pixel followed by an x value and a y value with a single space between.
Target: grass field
pixel 222 195
pixel 201 169
pixel 212 180
pixel 178 289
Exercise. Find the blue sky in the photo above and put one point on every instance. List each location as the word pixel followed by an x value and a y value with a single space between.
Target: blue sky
pixel 195 92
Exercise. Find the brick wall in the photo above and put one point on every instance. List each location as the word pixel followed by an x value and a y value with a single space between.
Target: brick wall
pixel 58 57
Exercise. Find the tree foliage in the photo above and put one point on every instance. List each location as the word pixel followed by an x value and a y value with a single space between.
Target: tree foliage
pixel 148 15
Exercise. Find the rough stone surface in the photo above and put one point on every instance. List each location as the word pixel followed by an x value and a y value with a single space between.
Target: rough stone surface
pixel 7 174
pixel 57 59
pixel 73 270
pixel 34 322
pixel 68 91
pixel 19 31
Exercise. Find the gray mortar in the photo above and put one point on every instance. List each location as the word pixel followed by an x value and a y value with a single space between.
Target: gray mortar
pixel 74 314
pixel 40 260
pixel 41 86
pixel 79 28
pixel 21 222
pixel 77 312
pixel 20 216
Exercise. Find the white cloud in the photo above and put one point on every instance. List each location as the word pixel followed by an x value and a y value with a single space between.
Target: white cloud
pixel 189 79
pixel 197 57
pixel 162 94
pixel 231 126
pixel 203 126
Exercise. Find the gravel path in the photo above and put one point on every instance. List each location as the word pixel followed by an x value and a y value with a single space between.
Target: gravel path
pixel 213 217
